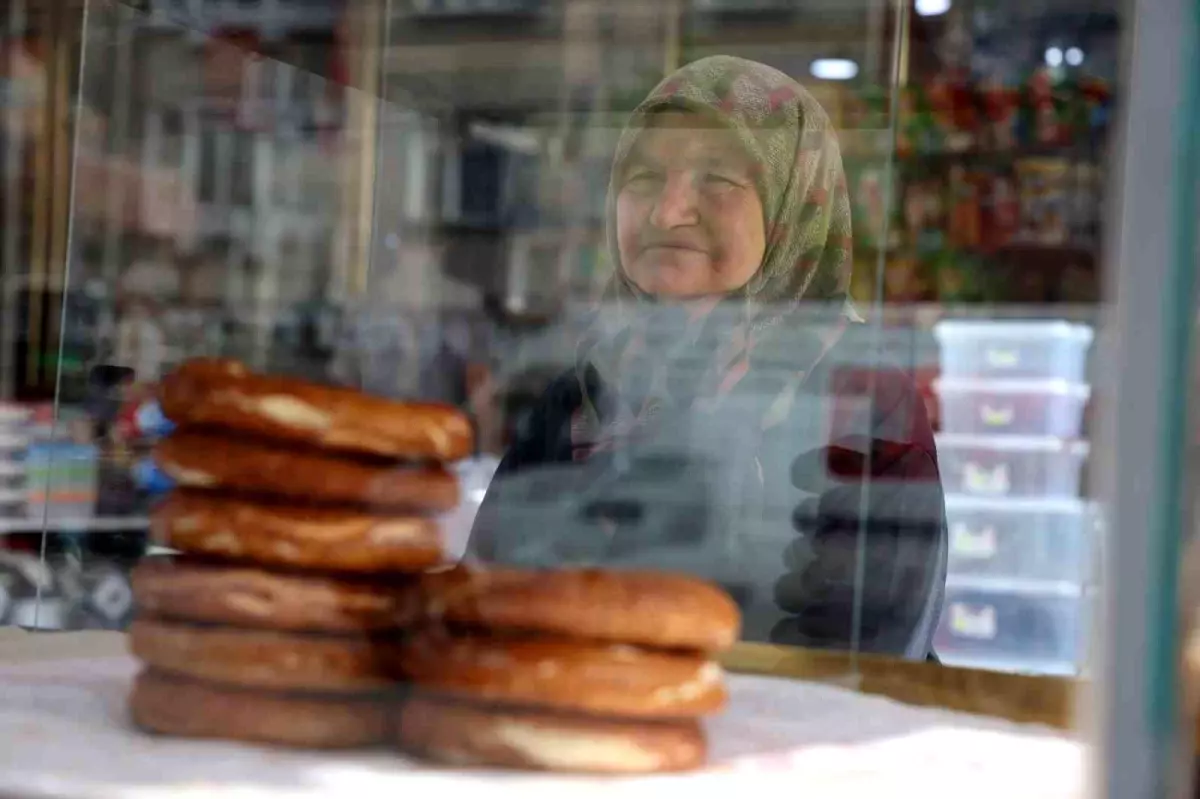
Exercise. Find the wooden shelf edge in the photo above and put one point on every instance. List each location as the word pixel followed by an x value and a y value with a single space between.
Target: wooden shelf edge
pixel 1020 698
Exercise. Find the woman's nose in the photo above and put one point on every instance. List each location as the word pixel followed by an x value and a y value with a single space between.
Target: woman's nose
pixel 676 202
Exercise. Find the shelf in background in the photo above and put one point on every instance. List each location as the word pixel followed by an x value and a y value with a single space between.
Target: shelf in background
pixel 97 524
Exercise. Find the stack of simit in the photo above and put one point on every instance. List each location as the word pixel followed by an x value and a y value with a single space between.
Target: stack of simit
pixel 300 509
pixel 564 670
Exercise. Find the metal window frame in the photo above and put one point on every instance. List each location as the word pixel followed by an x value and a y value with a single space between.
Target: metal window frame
pixel 1143 745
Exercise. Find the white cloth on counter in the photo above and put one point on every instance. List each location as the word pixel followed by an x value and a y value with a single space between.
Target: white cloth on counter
pixel 64 733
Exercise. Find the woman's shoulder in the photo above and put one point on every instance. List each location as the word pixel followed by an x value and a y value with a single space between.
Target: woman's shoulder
pixel 564 393
pixel 545 423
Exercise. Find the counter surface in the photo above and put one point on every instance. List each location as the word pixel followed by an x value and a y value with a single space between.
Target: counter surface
pixel 64 733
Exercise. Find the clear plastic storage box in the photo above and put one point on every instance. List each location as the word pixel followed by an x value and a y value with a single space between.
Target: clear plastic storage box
pixel 1035 539
pixel 1045 350
pixel 1016 407
pixel 1011 466
pixel 1013 631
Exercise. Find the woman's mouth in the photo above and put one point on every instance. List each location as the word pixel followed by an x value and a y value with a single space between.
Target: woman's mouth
pixel 678 247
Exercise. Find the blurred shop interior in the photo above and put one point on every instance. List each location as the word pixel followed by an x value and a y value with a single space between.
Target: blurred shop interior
pixel 408 196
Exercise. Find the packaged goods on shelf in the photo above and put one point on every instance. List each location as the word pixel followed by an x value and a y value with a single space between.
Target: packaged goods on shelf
pixel 965 209
pixel 1045 211
pixel 1048 540
pixel 1001 209
pixel 13 416
pixel 1011 466
pixel 1017 407
pixel 13 471
pixel 62 480
pixel 12 503
pixel 1014 349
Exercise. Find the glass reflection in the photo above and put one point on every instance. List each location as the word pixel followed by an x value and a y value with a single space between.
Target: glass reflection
pixel 709 424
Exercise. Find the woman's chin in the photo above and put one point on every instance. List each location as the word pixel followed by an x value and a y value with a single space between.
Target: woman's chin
pixel 673 283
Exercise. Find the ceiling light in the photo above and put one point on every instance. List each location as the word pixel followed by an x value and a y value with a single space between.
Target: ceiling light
pixel 1074 56
pixel 1054 57
pixel 834 69
pixel 932 8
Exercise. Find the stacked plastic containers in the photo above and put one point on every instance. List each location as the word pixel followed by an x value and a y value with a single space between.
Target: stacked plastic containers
pixel 1022 540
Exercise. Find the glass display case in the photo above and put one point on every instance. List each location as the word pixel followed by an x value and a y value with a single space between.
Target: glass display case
pixel 932 443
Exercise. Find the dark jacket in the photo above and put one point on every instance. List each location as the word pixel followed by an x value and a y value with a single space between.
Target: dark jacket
pixel 833 534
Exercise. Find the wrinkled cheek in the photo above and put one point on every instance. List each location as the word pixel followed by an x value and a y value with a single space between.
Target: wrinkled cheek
pixel 739 256
pixel 628 224
pixel 733 267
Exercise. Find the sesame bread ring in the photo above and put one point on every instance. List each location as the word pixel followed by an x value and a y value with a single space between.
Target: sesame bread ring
pixel 243 596
pixel 327 539
pixel 171 705
pixel 201 460
pixel 656 609
pixel 225 394
pixel 273 661
pixel 563 674
pixel 464 734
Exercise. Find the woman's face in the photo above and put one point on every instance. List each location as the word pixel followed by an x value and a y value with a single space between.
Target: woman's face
pixel 689 218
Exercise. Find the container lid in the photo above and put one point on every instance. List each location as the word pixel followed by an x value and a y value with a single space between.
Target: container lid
pixel 1051 386
pixel 1019 505
pixel 1010 329
pixel 1013 443
pixel 1015 585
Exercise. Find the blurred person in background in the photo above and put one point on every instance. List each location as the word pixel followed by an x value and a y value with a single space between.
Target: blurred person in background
pixel 445 353
pixel 197 323
pixel 377 351
pixel 715 354
pixel 146 290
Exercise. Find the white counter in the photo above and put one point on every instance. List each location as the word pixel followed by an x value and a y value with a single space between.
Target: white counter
pixel 64 733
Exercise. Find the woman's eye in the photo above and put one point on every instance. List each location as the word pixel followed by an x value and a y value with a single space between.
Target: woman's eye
pixel 642 179
pixel 714 179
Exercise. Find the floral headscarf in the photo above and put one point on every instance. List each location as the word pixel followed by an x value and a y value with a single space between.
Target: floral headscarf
pixel 806 208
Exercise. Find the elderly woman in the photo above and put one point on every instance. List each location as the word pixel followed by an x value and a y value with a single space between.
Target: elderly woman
pixel 716 421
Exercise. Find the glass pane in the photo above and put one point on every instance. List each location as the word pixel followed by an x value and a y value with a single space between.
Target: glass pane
pixel 805 299
pixel 209 174
pixel 505 141
pixel 38 88
pixel 1003 191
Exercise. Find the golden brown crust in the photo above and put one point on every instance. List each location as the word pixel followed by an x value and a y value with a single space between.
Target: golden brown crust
pixel 259 658
pixel 606 679
pixel 170 705
pixel 249 597
pixel 225 394
pixel 636 607
pixel 206 461
pixel 464 734
pixel 302 538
